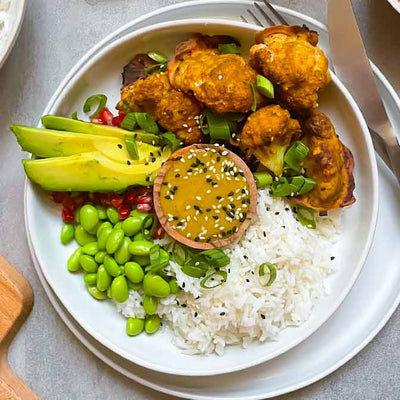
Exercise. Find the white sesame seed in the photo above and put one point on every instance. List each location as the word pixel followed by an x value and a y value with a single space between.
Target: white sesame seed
pixel 188 207
pixel 198 198
pixel 208 191
pixel 190 130
pixel 225 153
pixel 185 125
pixel 219 77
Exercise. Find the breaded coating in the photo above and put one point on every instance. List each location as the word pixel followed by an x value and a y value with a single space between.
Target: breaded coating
pixel 267 134
pixel 173 110
pixel 330 163
pixel 288 56
pixel 222 82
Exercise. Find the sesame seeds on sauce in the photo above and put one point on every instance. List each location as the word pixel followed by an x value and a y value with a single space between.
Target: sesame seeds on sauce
pixel 205 195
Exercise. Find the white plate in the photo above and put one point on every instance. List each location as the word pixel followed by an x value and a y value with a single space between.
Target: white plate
pixel 102 75
pixel 395 4
pixel 15 17
pixel 292 370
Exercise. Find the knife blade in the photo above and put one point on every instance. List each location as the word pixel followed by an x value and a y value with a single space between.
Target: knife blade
pixel 353 68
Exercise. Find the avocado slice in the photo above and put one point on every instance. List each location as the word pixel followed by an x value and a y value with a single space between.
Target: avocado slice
pixel 51 143
pixel 92 172
pixel 73 125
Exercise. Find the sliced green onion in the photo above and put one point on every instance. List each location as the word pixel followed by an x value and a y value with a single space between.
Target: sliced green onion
pixel 307 187
pixel 296 153
pixel 179 253
pixel 229 48
pixel 155 255
pixel 74 115
pixel 152 68
pixel 298 182
pixel 148 235
pixel 282 188
pixel 146 122
pixel 217 126
pixel 129 122
pixel 158 56
pixel 203 123
pixel 263 179
pixel 193 271
pixel 171 140
pixel 305 216
pixel 211 278
pixel 233 116
pixel 99 99
pixel 272 272
pixel 254 91
pixel 215 257
pixel 130 143
pixel 265 87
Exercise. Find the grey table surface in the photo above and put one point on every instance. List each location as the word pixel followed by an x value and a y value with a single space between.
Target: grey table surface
pixel 54 35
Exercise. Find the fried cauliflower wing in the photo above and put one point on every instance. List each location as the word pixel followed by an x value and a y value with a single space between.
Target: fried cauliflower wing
pixel 173 110
pixel 222 82
pixel 330 163
pixel 267 134
pixel 288 56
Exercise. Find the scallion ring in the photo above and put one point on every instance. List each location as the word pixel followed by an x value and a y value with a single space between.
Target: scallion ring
pixel 254 91
pixel 74 115
pixel 214 257
pixel 130 143
pixel 296 153
pixel 146 122
pixel 307 186
pixel 99 99
pixel 171 140
pixel 217 126
pixel 265 87
pixel 211 278
pixel 263 179
pixel 179 253
pixel 272 272
pixel 155 255
pixel 129 122
pixel 158 56
pixel 305 216
pixel 228 48
pixel 149 235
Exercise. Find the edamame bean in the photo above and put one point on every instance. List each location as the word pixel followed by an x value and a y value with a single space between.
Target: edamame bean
pixel 140 247
pixel 102 226
pixel 103 279
pixel 67 233
pixel 154 285
pixel 141 236
pixel 150 304
pixel 137 214
pixel 152 324
pixel 99 257
pixel 122 255
pixel 131 226
pixel 134 286
pixel 134 326
pixel 118 225
pixel 89 217
pixel 90 248
pixel 112 214
pixel 92 289
pixel 109 294
pixel 77 216
pixel 134 272
pixel 90 278
pixel 111 266
pixel 174 287
pixel 122 270
pixel 88 263
pixel 101 212
pixel 114 241
pixel 82 237
pixel 73 263
pixel 142 260
pixel 103 237
pixel 119 289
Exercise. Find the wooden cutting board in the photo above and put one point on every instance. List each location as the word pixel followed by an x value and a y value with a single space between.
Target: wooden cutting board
pixel 16 301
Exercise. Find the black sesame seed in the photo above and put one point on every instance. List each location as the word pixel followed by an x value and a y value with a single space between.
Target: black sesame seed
pixel 208 209
pixel 183 285
pixel 179 223
pixel 177 175
pixel 196 207
pixel 222 313
pixel 175 218
pixel 167 197
pixel 229 270
pixel 178 158
pixel 151 154
pixel 214 184
pixel 189 170
pixel 230 194
pixel 264 234
pixel 183 305
pixel 194 165
pixel 232 205
pixel 287 209
pixel 267 208
pixel 153 159
pixel 196 298
pixel 128 162
pixel 332 258
pixel 245 257
pixel 141 303
pixel 146 163
pixel 262 316
pixel 148 179
pixel 205 169
pixel 277 213
pixel 119 146
pixel 247 280
pixel 283 226
pixel 165 183
pixel 196 314
pixel 208 240
pixel 196 239
pixel 218 158
pixel 175 188
pixel 215 217
pixel 208 180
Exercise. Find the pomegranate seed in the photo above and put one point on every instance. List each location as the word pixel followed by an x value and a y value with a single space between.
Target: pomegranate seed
pixel 117 201
pixel 159 232
pixel 106 116
pixel 58 197
pixel 144 190
pixel 124 212
pixel 116 121
pixel 97 121
pixel 69 203
pixel 130 197
pixel 68 215
pixel 144 199
pixel 145 208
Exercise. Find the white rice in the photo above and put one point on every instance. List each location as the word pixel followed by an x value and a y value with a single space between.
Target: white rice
pixel 242 310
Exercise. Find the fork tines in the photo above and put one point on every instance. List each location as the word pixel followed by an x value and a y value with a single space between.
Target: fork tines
pixel 263 12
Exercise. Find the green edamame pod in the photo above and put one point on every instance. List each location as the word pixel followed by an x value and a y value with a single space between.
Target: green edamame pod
pixel 89 217
pixel 122 255
pixel 82 237
pixel 134 326
pixel 112 215
pixel 150 304
pixel 111 266
pixel 174 287
pixel 142 260
pixel 92 289
pixel 90 248
pixel 140 247
pixel 99 257
pixel 134 286
pixel 67 233
pixel 152 324
pixel 103 279
pixel 103 237
pixel 114 241
pixel 90 278
pixel 102 226
pixel 131 226
pixel 154 285
pixel 101 212
pixel 73 263
pixel 134 272
pixel 119 289
pixel 87 263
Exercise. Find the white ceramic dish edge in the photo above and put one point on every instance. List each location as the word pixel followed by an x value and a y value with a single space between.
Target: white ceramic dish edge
pixel 395 4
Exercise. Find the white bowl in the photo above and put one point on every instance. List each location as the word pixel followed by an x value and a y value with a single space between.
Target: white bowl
pixel 395 4
pixel 99 319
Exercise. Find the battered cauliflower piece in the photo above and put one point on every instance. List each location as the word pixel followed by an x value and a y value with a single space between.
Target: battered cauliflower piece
pixel 222 82
pixel 330 163
pixel 288 56
pixel 267 134
pixel 173 110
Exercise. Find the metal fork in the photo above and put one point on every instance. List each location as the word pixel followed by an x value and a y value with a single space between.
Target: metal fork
pixel 268 18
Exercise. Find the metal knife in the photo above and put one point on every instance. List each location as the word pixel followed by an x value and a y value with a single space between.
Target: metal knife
pixel 353 68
